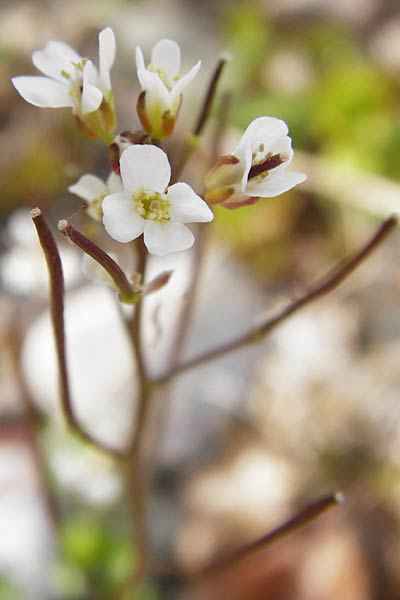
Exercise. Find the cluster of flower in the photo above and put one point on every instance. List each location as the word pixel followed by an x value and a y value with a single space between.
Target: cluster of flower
pixel 137 198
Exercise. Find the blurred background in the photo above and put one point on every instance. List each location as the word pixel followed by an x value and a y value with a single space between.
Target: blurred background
pixel 241 444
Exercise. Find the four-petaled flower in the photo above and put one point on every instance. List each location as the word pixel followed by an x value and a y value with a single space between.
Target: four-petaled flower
pixel 162 86
pixel 140 201
pixel 72 81
pixel 147 205
pixel 256 168
pixel 93 190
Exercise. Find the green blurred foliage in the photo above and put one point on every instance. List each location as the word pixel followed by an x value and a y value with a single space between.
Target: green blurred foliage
pixel 247 34
pixel 346 108
pixel 94 554
pixel 349 109
pixel 8 591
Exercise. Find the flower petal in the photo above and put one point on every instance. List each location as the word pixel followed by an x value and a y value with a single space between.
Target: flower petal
pixel 54 58
pixel 139 59
pixel 166 55
pixel 145 168
pixel 244 154
pixel 164 238
pixel 107 47
pixel 42 91
pixel 184 81
pixel 114 182
pixel 274 186
pixel 91 95
pixel 120 219
pixel 281 146
pixel 88 187
pixel 187 207
pixel 156 92
pixel 265 130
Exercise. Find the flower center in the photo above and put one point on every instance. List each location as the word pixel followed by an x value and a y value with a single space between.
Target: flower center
pixel 152 205
pixel 270 161
pixel 75 77
pixel 163 76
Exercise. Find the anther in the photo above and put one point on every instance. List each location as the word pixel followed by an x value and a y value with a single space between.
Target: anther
pixel 266 165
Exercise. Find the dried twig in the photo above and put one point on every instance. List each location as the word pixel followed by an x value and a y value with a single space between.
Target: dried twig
pixel 210 95
pixel 56 279
pixel 302 518
pixel 203 116
pixel 126 291
pixel 323 287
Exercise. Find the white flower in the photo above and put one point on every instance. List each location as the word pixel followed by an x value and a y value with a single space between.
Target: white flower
pixel 147 205
pixel 162 85
pixel 256 168
pixel 93 190
pixel 70 80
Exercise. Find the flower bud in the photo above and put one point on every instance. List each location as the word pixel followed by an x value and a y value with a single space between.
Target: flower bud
pixel 162 86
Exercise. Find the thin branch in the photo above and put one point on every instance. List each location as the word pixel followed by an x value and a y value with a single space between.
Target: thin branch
pixel 134 325
pixel 56 279
pixel 302 518
pixel 202 231
pixel 323 287
pixel 203 116
pixel 137 476
pixel 210 95
pixel 221 123
pixel 32 419
pixel 305 516
pixel 181 331
pixel 126 290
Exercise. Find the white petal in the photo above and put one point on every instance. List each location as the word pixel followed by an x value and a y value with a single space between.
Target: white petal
pixel 88 187
pixel 107 47
pixel 91 95
pixel 155 88
pixel 120 219
pixel 244 154
pixel 187 207
pixel 164 238
pixel 264 130
pixel 185 80
pixel 42 91
pixel 145 168
pixel 114 182
pixel 166 55
pixel 55 57
pixel 139 59
pixel 281 146
pixel 274 186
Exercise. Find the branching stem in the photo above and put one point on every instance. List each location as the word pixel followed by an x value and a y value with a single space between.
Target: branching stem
pixel 321 288
pixel 203 116
pixel 56 279
pixel 126 291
